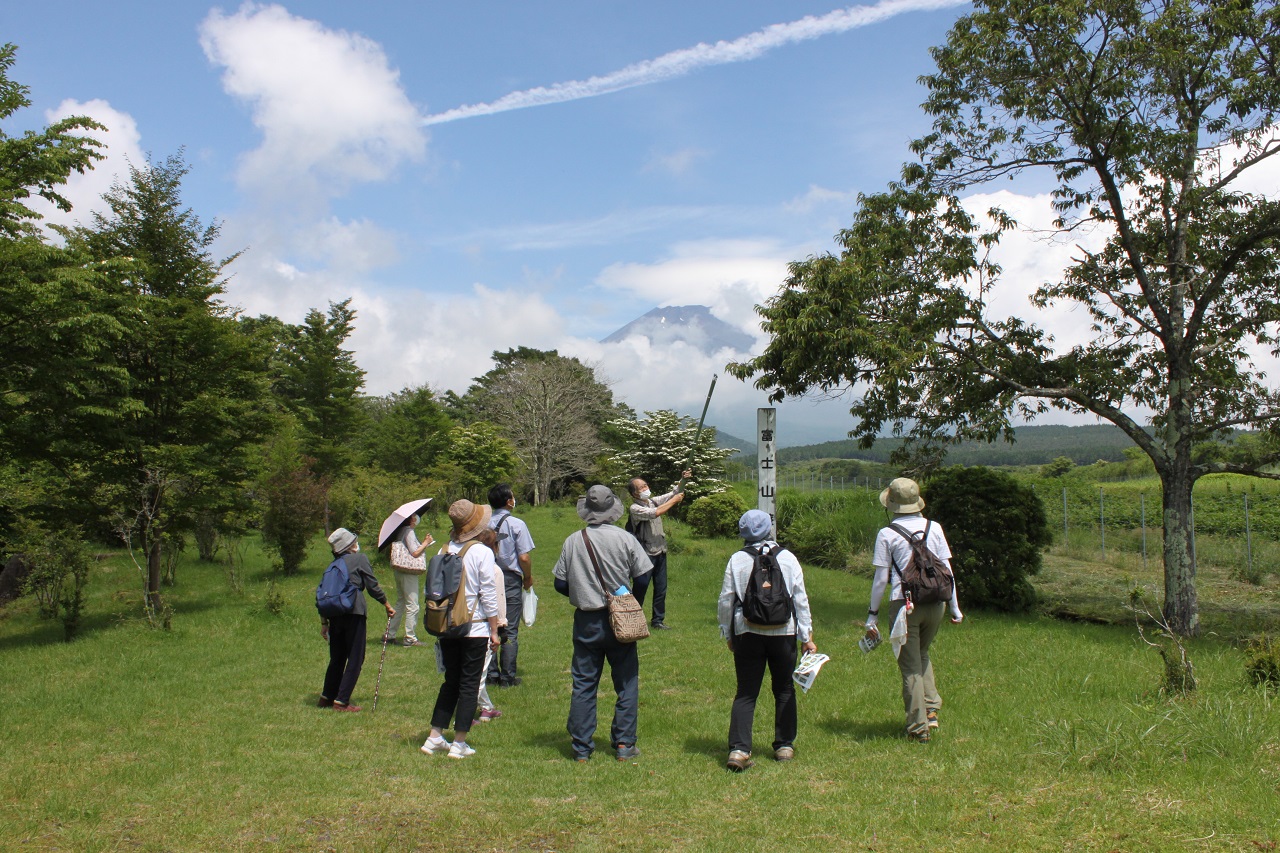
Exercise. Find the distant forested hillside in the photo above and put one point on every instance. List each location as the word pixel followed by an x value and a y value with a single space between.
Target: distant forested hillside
pixel 1034 445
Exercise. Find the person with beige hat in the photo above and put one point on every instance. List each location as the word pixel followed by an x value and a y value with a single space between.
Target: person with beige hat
pixel 464 657
pixel 920 696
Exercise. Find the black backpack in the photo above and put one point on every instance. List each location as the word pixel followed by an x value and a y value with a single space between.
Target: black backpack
pixel 766 601
pixel 336 594
pixel 446 613
pixel 926 578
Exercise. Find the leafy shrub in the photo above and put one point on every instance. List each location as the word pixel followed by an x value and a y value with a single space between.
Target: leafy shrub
pixel 827 528
pixel 275 601
pixel 59 572
pixel 718 514
pixel 997 530
pixel 1262 661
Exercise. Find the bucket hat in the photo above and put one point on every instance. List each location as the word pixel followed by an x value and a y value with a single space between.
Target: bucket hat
pixel 341 540
pixel 599 506
pixel 468 519
pixel 902 496
pixel 755 525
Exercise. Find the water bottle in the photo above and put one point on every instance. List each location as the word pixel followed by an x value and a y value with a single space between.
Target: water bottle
pixel 869 642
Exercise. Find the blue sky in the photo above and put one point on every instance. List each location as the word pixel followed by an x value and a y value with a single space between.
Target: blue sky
pixel 484 176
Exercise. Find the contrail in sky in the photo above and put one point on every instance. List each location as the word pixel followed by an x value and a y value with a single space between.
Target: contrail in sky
pixel 677 63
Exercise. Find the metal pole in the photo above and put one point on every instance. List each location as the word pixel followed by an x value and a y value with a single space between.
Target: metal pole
pixel 1102 521
pixel 1142 506
pixel 1248 537
pixel 1064 516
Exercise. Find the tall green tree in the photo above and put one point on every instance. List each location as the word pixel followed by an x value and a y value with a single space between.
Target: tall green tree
pixel 320 386
pixel 551 408
pixel 406 432
pixel 1150 118
pixel 57 385
pixel 195 388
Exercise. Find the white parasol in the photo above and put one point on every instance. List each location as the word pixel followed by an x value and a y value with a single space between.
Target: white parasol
pixel 397 519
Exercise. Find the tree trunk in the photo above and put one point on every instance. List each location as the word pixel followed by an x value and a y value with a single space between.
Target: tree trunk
pixel 1181 608
pixel 153 573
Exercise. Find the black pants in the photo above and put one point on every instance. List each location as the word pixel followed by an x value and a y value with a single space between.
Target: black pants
pixel 658 580
pixel 503 666
pixel 463 669
pixel 751 654
pixel 346 656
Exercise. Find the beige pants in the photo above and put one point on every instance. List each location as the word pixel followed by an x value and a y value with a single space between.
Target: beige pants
pixel 919 692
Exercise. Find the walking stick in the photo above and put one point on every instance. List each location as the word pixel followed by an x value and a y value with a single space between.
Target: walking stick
pixel 386 635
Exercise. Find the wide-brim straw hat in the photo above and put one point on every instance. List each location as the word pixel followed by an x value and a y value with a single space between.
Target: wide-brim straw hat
pixel 599 506
pixel 468 519
pixel 902 496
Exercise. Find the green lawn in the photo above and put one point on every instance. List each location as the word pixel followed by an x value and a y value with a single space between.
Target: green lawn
pixel 207 737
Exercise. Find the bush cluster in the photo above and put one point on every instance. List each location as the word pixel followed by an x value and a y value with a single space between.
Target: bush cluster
pixel 827 528
pixel 718 514
pixel 997 530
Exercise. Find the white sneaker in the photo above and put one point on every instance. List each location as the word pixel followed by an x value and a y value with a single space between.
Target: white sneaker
pixel 435 745
pixel 459 749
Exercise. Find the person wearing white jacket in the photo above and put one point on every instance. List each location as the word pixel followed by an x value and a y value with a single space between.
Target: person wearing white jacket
pixel 756 647
pixel 920 696
pixel 464 657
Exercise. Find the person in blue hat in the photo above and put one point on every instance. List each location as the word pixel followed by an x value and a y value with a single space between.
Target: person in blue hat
pixel 756 646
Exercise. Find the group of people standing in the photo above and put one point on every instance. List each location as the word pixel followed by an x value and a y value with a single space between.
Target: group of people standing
pixel 601 561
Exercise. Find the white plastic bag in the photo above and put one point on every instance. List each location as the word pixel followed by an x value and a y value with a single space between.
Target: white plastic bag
pixel 530 606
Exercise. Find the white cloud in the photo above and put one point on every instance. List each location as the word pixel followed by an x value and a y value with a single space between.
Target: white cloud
pixel 677 163
pixel 820 197
pixel 728 276
pixel 122 146
pixel 331 110
pixel 1034 254
pixel 678 63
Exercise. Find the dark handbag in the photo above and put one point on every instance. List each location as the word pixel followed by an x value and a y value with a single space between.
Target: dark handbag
pixel 626 616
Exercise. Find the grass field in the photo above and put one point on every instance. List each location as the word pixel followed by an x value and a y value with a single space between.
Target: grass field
pixel 1054 735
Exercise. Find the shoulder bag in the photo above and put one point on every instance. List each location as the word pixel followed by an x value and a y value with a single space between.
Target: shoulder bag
pixel 402 560
pixel 626 616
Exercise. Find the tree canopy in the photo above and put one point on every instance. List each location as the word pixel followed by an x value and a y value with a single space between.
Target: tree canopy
pixel 1151 118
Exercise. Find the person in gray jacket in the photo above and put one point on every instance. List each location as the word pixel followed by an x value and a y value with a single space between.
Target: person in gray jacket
pixel 756 646
pixel 346 633
pixel 622 563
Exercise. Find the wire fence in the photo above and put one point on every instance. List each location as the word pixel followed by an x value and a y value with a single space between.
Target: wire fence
pixel 1236 528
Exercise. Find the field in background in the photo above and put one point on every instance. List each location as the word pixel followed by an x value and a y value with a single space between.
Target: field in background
pixel 1054 736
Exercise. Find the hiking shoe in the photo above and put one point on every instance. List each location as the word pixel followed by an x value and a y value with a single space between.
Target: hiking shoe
pixel 325 702
pixel 739 761
pixel 412 641
pixel 489 714
pixel 459 749
pixel 918 737
pixel 626 753
pixel 434 746
pixel 784 753
pixel 338 706
pixel 513 681
pixel 660 626
pixel 932 717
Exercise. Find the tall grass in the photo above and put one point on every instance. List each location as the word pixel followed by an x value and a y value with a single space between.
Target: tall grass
pixel 1054 735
